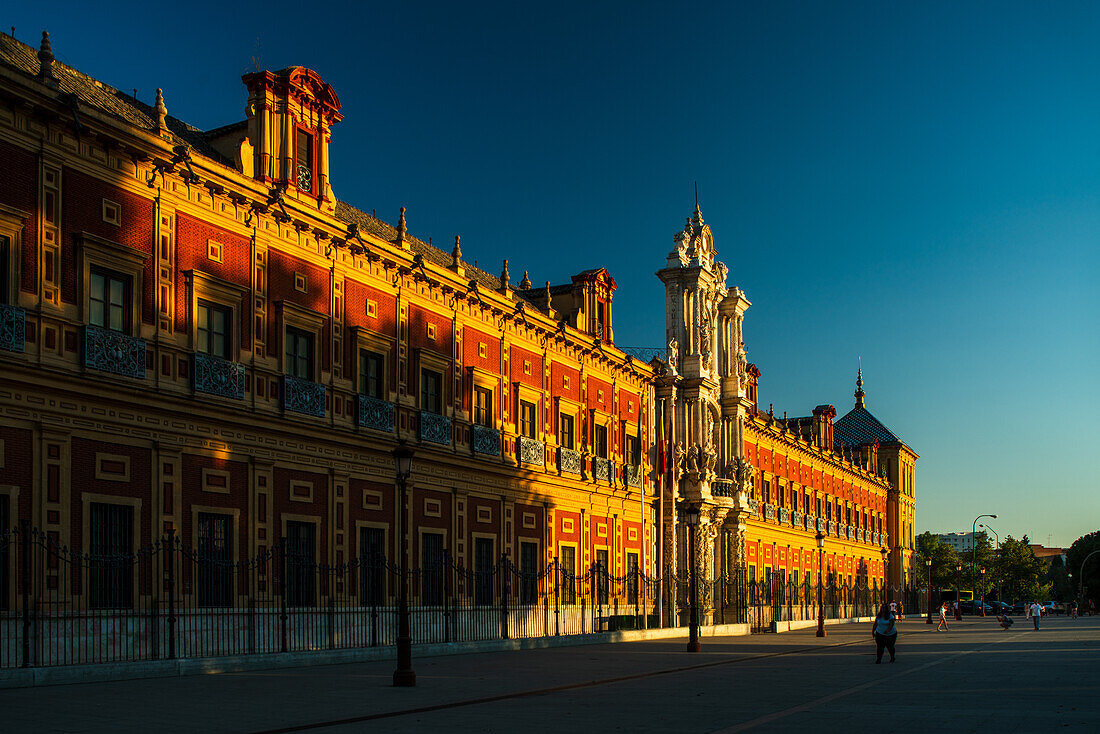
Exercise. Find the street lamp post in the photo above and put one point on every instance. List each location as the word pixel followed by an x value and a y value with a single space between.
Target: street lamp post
pixel 928 563
pixel 821 585
pixel 691 519
pixel 1000 597
pixel 404 675
pixel 958 585
pixel 1081 580
pixel 974 541
pixel 885 569
pixel 981 572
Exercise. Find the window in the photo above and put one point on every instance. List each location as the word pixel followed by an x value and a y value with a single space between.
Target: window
pixel 483 406
pixel 567 574
pixel 372 559
pixel 484 570
pixel 371 374
pixel 633 450
pixel 817 503
pixel 632 574
pixel 304 159
pixel 829 511
pixel 215 561
pixel 5 554
pixel 601 577
pixel 528 568
pixel 431 568
pixel 767 492
pixel 109 300
pixel 299 353
pixel 565 430
pixel 212 330
pixel 6 288
pixel 300 564
pixel 431 391
pixel 111 547
pixel 600 440
pixel 527 419
pixel 781 495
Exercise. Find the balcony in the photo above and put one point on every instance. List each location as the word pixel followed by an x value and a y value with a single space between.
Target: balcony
pixel 486 441
pixel 832 527
pixel 722 488
pixel 754 505
pixel 435 428
pixel 531 451
pixel 113 351
pixel 12 328
pixel 303 396
pixel 570 461
pixel 796 519
pixel 821 525
pixel 769 512
pixel 632 475
pixel 216 376
pixel 376 414
pixel 851 533
pixel 784 515
pixel 601 469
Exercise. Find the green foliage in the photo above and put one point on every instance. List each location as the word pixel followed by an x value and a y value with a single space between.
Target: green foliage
pixel 1020 573
pixel 1076 555
pixel 944 561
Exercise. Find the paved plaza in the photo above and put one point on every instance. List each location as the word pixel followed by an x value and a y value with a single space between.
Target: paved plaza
pixel 975 678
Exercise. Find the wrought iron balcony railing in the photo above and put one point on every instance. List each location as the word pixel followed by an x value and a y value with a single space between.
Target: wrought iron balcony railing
pixel 486 440
pixel 633 475
pixel 832 527
pixel 721 487
pixel 769 512
pixel 784 515
pixel 216 376
pixel 601 469
pixel 435 428
pixel 570 460
pixel 376 414
pixel 113 351
pixel 303 396
pixel 13 328
pixel 821 525
pixel 754 505
pixel 531 451
pixel 796 519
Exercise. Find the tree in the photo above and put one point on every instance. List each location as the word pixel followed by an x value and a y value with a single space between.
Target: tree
pixel 1058 579
pixel 1019 571
pixel 981 556
pixel 944 560
pixel 1075 556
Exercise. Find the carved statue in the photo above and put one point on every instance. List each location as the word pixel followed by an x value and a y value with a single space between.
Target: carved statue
pixel 693 459
pixel 680 458
pixel 673 355
pixel 706 317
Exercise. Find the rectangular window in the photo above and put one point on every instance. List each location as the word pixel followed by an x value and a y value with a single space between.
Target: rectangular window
pixel 372 564
pixel 484 571
pixel 527 419
pixel 529 570
pixel 5 554
pixel 568 572
pixel 299 353
pixel 431 568
pixel 304 159
pixel 633 450
pixel 371 374
pixel 781 495
pixel 300 564
pixel 828 511
pixel 212 329
pixel 817 502
pixel 108 300
pixel 111 548
pixel 632 578
pixel 565 430
pixel 600 441
pixel 431 391
pixel 7 290
pixel 601 577
pixel 483 406
pixel 767 492
pixel 215 561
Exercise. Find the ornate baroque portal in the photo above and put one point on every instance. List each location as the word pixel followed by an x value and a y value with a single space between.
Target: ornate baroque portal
pixel 703 396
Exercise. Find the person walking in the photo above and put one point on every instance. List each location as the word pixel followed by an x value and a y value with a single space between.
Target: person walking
pixel 885 632
pixel 1036 612
pixel 943 618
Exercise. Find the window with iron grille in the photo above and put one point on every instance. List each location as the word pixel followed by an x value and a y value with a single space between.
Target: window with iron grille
pixel 527 419
pixel 301 564
pixel 372 559
pixel 299 353
pixel 431 568
pixel 565 430
pixel 431 391
pixel 111 548
pixel 568 563
pixel 215 560
pixel 483 406
pixel 371 374
pixel 483 570
pixel 7 538
pixel 109 300
pixel 212 329
pixel 601 577
pixel 600 441
pixel 632 579
pixel 529 568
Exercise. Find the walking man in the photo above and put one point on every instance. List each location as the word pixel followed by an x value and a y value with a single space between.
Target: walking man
pixel 943 619
pixel 1036 612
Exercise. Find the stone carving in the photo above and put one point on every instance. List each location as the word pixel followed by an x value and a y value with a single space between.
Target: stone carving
pixel 674 356
pixel 706 326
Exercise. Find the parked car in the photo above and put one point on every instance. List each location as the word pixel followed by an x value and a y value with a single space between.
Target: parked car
pixel 1019 608
pixel 1054 607
pixel 999 607
pixel 968 606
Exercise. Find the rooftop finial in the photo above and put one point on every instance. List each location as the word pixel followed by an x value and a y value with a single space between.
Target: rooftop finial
pixel 161 110
pixel 401 229
pixel 504 278
pixel 859 385
pixel 45 60
pixel 456 253
pixel 525 284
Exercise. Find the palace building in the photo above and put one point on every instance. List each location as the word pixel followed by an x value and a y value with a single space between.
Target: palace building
pixel 198 336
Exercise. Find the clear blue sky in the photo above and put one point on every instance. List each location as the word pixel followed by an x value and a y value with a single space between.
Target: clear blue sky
pixel 915 183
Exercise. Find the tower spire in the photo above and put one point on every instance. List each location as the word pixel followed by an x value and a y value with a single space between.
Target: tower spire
pixel 859 385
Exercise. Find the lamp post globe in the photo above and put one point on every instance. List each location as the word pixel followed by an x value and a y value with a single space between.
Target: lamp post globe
pixel 928 564
pixel 820 538
pixel 958 585
pixel 404 675
pixel 981 575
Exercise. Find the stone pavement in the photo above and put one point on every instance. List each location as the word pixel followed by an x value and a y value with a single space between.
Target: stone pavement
pixel 975 678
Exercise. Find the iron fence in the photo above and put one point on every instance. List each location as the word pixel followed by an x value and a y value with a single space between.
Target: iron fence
pixel 59 606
